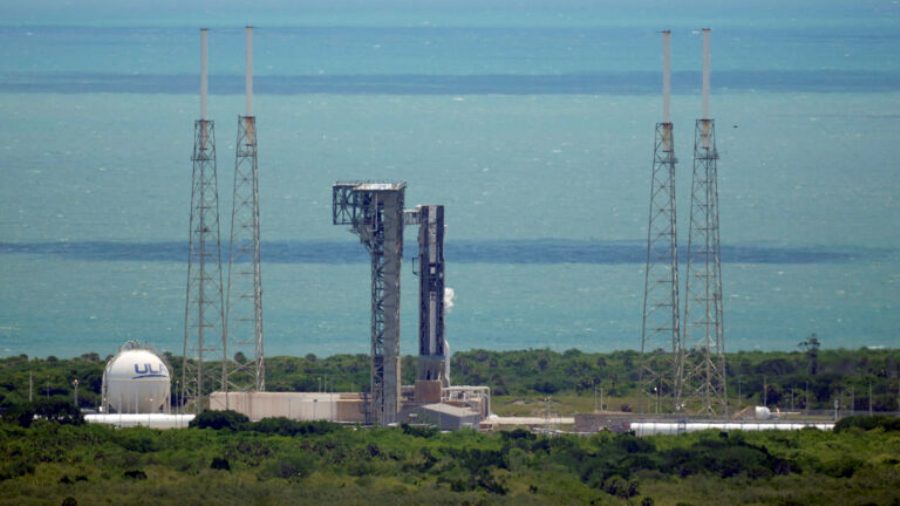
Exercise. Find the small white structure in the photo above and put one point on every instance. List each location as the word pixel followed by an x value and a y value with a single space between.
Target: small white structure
pixel 152 420
pixel 477 398
pixel 136 380
pixel 654 428
pixel 762 413
pixel 449 417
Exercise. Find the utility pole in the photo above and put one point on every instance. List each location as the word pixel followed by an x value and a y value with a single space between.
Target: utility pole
pixel 871 412
pixel 657 400
pixel 30 386
pixel 546 414
pixel 75 383
pixel 806 398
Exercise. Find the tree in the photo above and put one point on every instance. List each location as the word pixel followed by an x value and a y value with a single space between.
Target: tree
pixel 811 346
pixel 60 411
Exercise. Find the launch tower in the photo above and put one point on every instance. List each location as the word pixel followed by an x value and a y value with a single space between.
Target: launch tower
pixel 374 212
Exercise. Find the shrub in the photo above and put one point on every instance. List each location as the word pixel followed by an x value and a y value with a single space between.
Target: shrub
pixel 545 387
pixel 289 466
pixel 135 474
pixel 137 439
pixel 287 427
pixel 619 487
pixel 228 419
pixel 15 468
pixel 419 431
pixel 19 414
pixel 220 463
pixel 509 435
pixel 60 411
pixel 887 423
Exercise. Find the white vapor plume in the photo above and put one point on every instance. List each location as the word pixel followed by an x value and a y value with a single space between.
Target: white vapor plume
pixel 449 296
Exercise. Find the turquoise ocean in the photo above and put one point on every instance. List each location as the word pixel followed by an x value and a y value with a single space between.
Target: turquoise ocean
pixel 531 121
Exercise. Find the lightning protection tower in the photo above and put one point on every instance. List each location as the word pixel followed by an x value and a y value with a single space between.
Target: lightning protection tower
pixel 703 353
pixel 375 213
pixel 204 309
pixel 244 353
pixel 660 332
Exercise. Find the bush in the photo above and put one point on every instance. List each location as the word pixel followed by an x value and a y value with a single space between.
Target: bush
pixel 545 387
pixel 60 411
pixel 619 487
pixel 519 433
pixel 228 419
pixel 844 467
pixel 886 423
pixel 19 414
pixel 135 475
pixel 287 427
pixel 419 431
pixel 220 463
pixel 290 466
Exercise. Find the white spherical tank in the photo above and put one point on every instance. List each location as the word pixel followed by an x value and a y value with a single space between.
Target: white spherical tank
pixel 136 381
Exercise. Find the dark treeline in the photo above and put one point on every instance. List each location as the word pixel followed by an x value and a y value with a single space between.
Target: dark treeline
pixel 225 459
pixel 810 378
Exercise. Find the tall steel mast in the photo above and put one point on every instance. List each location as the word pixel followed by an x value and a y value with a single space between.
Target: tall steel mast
pixel 703 354
pixel 660 332
pixel 245 352
pixel 204 309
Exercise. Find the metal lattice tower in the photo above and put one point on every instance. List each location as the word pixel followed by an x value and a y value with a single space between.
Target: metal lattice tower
pixel 245 350
pixel 204 309
pixel 432 346
pixel 660 331
pixel 703 353
pixel 375 213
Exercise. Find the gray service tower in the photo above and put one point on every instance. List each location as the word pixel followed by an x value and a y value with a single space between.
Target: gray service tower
pixel 375 213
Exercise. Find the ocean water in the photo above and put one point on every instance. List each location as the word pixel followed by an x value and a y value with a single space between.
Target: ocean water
pixel 531 121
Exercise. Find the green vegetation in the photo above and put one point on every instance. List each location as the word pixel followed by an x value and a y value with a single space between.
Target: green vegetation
pixel 287 462
pixel 224 458
pixel 807 379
